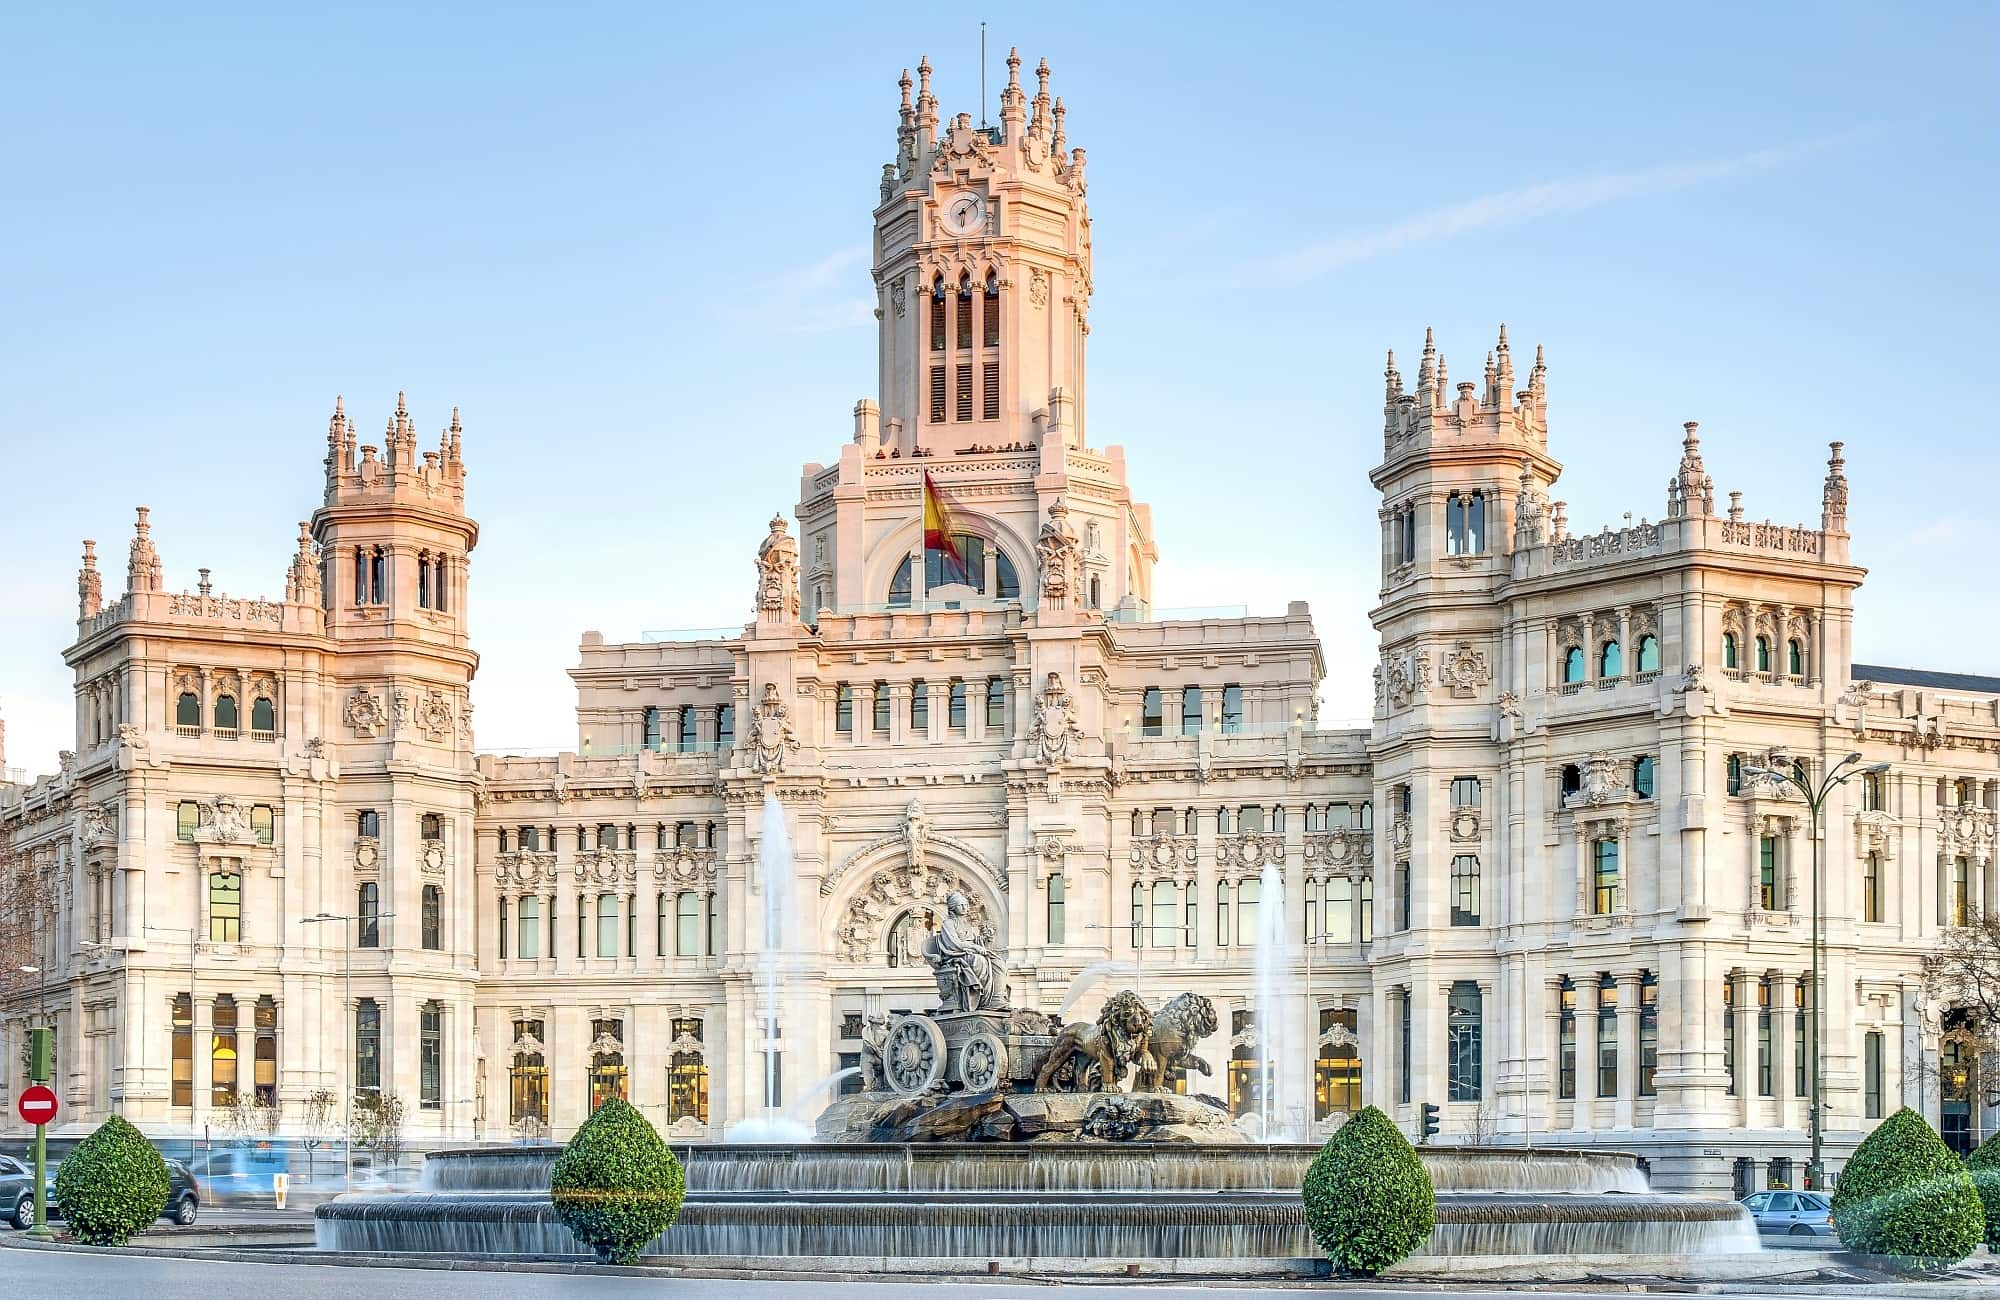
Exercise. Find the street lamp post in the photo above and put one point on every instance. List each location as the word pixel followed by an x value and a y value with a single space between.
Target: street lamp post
pixel 191 934
pixel 347 997
pixel 1816 795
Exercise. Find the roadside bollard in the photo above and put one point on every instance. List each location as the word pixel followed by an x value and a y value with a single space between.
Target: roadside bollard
pixel 280 1184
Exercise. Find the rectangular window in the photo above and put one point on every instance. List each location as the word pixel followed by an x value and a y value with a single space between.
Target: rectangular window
pixel 989 389
pixel 939 308
pixel 1222 930
pixel 1871 1075
pixel 368 824
pixel 529 948
pixel 1729 1032
pixel 1402 895
pixel 1232 709
pixel 962 391
pixel 225 907
pixel 1337 925
pixel 1566 1041
pixel 996 704
pixel 955 705
pixel 430 1058
pixel 1151 721
pixel 1767 872
pixel 1871 888
pixel 843 711
pixel 920 708
pixel 265 1069
pixel 263 824
pixel 1607 1039
pixel 725 726
pixel 1465 890
pixel 1464 1046
pixel 367 1046
pixel 1766 1085
pixel 690 721
pixel 881 718
pixel 1365 908
pixel 1403 1050
pixel 1961 892
pixel 504 936
pixel 187 819
pixel 1337 1068
pixel 183 1049
pixel 1604 878
pixel 938 396
pixel 687 924
pixel 1057 920
pixel 1465 792
pixel 1799 1039
pixel 1649 1035
pixel 714 915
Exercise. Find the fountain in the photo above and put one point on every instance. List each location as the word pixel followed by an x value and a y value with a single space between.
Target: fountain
pixel 778 879
pixel 1273 969
pixel 987 1133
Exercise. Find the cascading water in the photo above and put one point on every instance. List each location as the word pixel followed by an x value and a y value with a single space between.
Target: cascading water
pixel 1274 1056
pixel 778 878
pixel 1089 977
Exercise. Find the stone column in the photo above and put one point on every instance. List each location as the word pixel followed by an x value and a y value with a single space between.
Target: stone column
pixel 1625 648
pixel 1552 1045
pixel 1590 661
pixel 1628 1049
pixel 1786 1108
pixel 203 1048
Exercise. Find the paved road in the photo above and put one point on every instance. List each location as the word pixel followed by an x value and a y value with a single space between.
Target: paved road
pixel 57 1275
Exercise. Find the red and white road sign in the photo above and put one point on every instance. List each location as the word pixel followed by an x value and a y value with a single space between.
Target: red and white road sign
pixel 37 1104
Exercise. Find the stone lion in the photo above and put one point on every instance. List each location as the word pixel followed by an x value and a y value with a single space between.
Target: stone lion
pixel 1176 1028
pixel 1097 1054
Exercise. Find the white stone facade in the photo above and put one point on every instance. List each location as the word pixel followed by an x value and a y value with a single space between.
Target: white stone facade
pixel 1105 781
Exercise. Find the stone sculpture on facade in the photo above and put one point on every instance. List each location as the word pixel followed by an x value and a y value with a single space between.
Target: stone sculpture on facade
pixel 969 973
pixel 771 734
pixel 1057 550
pixel 778 573
pixel 1055 725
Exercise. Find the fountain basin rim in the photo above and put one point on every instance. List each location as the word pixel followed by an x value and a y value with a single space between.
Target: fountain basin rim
pixel 1027 1149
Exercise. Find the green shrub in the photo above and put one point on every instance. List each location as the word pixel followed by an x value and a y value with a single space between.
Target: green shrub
pixel 616 1185
pixel 1369 1199
pixel 112 1185
pixel 1904 1193
pixel 1987 1183
pixel 1986 1156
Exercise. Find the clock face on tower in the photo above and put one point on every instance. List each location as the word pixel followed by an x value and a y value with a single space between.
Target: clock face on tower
pixel 964 214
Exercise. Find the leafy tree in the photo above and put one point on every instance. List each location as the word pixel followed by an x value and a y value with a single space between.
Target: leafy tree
pixel 377 1126
pixel 617 1185
pixel 1369 1199
pixel 112 1185
pixel 1904 1193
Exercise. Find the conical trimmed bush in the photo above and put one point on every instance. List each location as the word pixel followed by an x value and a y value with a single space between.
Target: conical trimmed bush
pixel 1904 1193
pixel 112 1185
pixel 1986 1156
pixel 1369 1199
pixel 617 1185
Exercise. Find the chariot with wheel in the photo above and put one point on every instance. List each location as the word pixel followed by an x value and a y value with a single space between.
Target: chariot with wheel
pixel 972 1051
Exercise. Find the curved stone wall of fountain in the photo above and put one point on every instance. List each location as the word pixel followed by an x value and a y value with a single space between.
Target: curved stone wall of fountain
pixel 884 1206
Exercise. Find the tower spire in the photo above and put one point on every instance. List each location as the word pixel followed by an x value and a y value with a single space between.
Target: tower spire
pixel 1039 123
pixel 1012 102
pixel 1833 498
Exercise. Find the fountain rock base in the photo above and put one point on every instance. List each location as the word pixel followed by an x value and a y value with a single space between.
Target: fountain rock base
pixel 1028 1117
pixel 884 1206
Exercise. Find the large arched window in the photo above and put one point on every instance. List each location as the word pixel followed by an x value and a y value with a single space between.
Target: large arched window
pixel 1573 666
pixel 1795 657
pixel 187 710
pixel 1610 660
pixel 433 913
pixel 965 564
pixel 263 714
pixel 225 713
pixel 1729 650
pixel 1649 653
pixel 1763 654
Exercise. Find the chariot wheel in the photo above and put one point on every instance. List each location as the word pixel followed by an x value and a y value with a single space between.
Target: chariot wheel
pixel 982 1063
pixel 913 1055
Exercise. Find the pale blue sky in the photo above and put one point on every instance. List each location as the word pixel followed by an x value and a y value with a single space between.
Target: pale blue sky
pixel 632 246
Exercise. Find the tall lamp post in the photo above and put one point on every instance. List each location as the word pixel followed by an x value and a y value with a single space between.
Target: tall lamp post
pixel 191 934
pixel 1815 795
pixel 347 998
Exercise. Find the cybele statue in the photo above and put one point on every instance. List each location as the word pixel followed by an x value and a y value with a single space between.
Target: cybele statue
pixel 969 977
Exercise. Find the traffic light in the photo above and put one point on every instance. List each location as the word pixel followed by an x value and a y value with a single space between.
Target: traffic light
pixel 1430 1122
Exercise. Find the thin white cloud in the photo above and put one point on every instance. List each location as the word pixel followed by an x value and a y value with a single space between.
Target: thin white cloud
pixel 834 267
pixel 1550 198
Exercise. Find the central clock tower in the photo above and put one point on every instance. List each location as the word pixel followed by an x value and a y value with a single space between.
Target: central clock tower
pixel 982 272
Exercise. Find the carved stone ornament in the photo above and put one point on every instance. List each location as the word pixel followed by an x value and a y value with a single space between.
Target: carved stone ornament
pixel 1967 830
pixel 898 298
pixel 1055 727
pixel 686 866
pixel 1250 850
pixel 1875 832
pixel 1464 670
pixel 916 832
pixel 99 824
pixel 1603 783
pixel 430 859
pixel 1465 824
pixel 1057 549
pixel 1403 675
pixel 771 736
pixel 893 891
pixel 315 747
pixel 1038 289
pixel 364 713
pixel 1339 847
pixel 228 821
pixel 367 853
pixel 434 718
pixel 778 573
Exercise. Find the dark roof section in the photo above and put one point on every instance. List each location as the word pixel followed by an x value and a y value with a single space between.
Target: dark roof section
pixel 1883 676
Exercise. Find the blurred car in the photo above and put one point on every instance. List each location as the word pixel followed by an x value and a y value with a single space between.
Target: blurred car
pixel 1794 1214
pixel 17 1193
pixel 392 1179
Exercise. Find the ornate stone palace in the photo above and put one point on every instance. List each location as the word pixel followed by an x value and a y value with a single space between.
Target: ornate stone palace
pixel 1551 889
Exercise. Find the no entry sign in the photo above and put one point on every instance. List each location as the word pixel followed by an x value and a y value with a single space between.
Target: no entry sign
pixel 37 1105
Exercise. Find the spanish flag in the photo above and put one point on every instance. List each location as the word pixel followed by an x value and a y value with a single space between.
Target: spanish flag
pixel 941 536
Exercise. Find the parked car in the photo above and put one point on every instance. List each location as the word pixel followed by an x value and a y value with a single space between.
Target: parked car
pixel 1795 1214
pixel 17 1193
